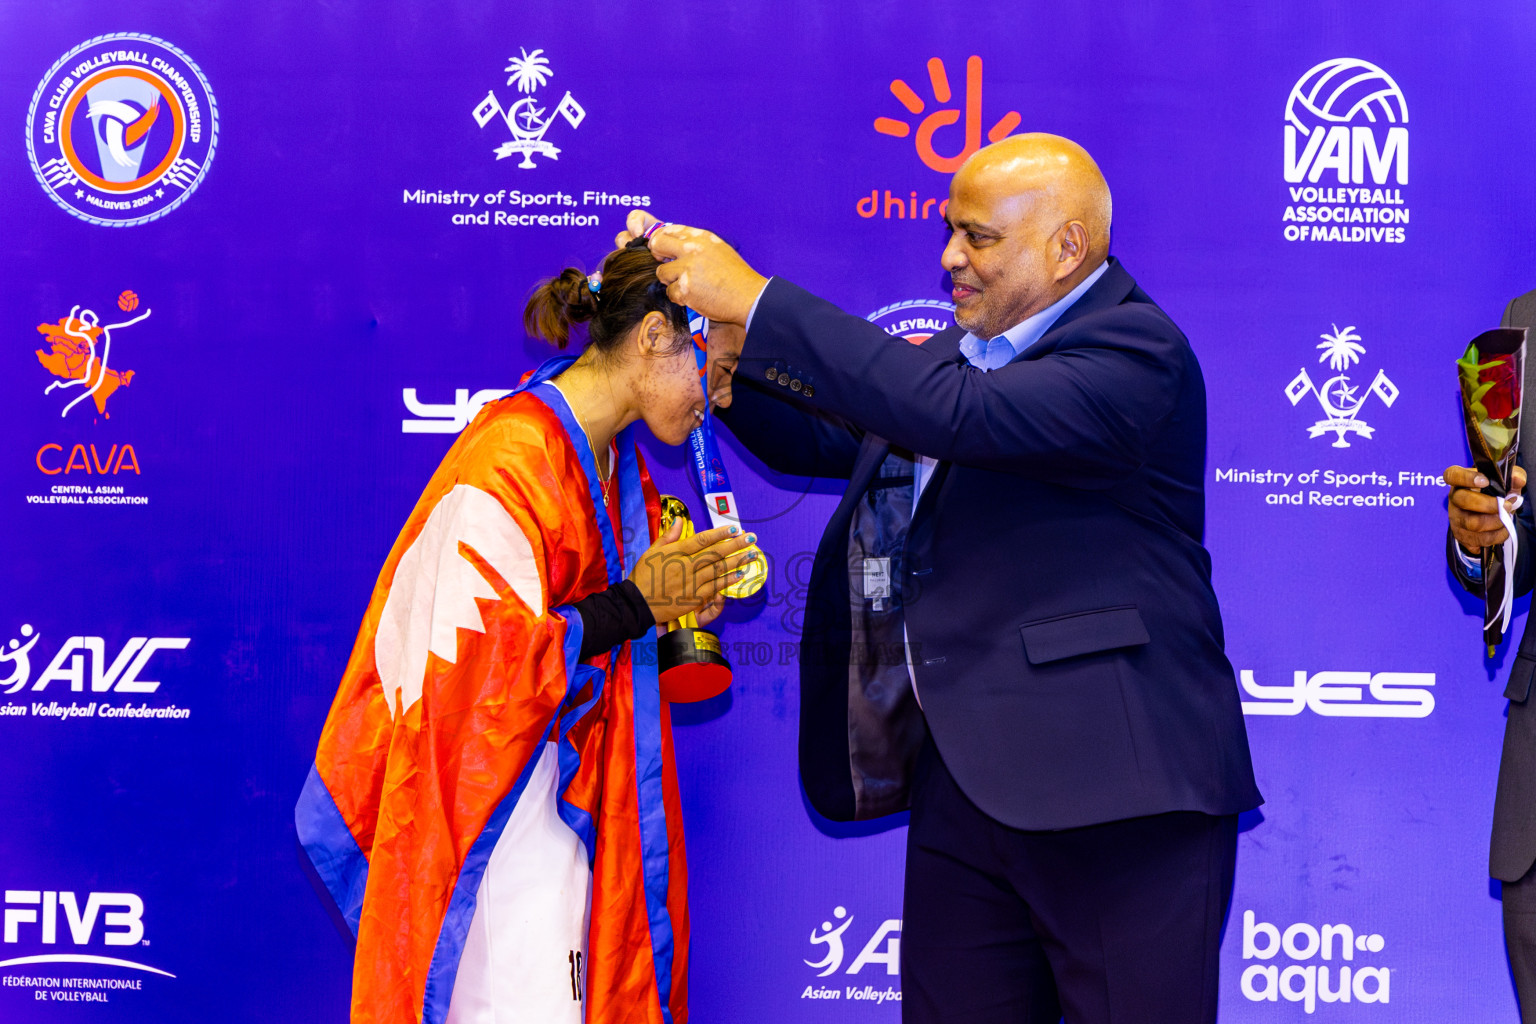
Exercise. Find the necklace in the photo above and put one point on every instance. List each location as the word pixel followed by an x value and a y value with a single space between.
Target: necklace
pixel 604 482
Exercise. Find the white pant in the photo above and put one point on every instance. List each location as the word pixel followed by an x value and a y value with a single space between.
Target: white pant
pixel 525 956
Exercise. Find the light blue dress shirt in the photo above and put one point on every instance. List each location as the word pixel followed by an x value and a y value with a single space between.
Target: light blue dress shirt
pixel 989 355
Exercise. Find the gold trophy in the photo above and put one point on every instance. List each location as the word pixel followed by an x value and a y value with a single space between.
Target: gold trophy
pixel 693 666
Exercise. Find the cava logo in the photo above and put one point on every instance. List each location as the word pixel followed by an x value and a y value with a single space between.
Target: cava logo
pixel 1340 400
pixel 1322 965
pixel 526 119
pixel 883 948
pixel 121 130
pixel 959 118
pixel 446 418
pixel 915 320
pixel 59 918
pixel 78 353
pixel 1346 155
pixel 1336 694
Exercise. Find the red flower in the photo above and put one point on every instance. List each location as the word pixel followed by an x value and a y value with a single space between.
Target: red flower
pixel 1503 398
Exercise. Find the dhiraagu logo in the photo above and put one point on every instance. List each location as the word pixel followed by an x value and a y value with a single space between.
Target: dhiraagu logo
pixel 944 119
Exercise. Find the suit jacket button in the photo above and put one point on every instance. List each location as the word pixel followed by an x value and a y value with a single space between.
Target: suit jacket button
pixel 772 373
pixel 795 384
pixel 809 391
pixel 783 380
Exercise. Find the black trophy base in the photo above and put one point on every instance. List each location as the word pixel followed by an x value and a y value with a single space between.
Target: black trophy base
pixel 693 668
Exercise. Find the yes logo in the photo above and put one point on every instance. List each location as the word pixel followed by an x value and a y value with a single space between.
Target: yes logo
pixel 446 418
pixel 1343 694
pixel 938 80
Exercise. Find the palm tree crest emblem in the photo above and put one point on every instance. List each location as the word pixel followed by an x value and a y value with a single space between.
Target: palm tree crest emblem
pixel 1340 400
pixel 526 119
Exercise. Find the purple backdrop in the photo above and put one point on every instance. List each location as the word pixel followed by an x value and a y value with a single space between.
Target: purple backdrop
pixel 189 549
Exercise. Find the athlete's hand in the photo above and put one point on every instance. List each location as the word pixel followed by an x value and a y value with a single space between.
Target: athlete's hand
pixel 681 576
pixel 1475 515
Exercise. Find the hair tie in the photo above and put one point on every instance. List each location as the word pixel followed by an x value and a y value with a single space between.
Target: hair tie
pixel 653 229
pixel 595 282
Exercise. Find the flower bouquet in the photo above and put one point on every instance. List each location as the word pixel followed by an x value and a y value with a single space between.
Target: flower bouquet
pixel 1492 371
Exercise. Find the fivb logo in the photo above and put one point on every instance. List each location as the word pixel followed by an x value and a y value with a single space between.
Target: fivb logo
pixel 445 418
pixel 1346 125
pixel 1343 694
pixel 121 674
pixel 34 915
pixel 1307 983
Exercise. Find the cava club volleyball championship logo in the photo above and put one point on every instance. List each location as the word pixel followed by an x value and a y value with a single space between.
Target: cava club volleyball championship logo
pixel 121 130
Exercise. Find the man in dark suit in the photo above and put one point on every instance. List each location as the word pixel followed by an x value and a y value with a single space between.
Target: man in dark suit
pixel 1474 525
pixel 1010 621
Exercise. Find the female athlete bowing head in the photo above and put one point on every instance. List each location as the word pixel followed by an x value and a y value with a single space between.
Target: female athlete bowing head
pixel 494 804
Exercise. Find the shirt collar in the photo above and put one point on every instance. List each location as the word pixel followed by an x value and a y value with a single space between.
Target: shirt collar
pixel 1024 334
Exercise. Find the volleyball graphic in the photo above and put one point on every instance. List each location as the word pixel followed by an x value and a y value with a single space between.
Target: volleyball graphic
pixel 128 301
pixel 1341 90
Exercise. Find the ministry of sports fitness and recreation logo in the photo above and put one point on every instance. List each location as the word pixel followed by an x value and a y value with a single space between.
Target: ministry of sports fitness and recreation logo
pixel 1346 155
pixel 960 120
pixel 122 128
pixel 915 320
pixel 525 118
pixel 1340 400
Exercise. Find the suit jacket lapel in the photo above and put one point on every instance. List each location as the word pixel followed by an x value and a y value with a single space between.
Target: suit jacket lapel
pixel 1109 290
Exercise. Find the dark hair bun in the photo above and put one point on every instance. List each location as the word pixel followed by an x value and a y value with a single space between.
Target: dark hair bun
pixel 629 292
pixel 558 303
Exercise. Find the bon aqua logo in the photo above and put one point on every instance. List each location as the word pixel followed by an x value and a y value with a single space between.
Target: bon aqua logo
pixel 944 132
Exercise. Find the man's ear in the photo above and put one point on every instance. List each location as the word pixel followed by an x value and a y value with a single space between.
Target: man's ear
pixel 1072 242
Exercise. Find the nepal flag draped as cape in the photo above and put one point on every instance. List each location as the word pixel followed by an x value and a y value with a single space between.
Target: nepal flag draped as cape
pixel 466 740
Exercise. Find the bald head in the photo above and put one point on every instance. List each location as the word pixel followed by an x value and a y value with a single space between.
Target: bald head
pixel 1052 171
pixel 1030 217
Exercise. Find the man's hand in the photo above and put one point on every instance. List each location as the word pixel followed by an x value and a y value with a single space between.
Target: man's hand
pixel 1474 515
pixel 699 270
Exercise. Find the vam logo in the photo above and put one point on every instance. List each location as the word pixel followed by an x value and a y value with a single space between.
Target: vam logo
pixel 1307 983
pixel 1338 398
pixel 960 120
pixel 1346 125
pixel 525 119
pixel 445 418
pixel 114 918
pixel 915 320
pixel 1335 694
pixel 883 947
pixel 121 130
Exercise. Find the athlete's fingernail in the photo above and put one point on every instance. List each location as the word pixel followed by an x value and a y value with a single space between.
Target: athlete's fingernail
pixel 734 531
pixel 751 538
